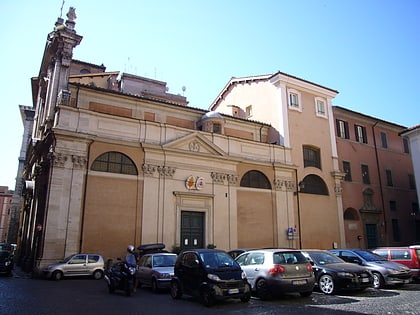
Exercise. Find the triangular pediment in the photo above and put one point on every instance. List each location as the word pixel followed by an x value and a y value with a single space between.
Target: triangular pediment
pixel 194 143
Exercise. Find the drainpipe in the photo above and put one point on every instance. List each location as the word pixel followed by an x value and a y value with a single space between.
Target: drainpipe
pixel 298 209
pixel 380 182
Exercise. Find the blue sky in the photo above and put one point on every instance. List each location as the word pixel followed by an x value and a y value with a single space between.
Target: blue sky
pixel 368 50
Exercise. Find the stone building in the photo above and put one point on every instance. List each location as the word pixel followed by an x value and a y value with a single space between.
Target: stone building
pixel 5 205
pixel 115 160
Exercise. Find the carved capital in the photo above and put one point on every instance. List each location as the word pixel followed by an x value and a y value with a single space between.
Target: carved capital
pixel 338 189
pixel 79 162
pixel 59 159
pixel 167 171
pixel 218 178
pixel 149 169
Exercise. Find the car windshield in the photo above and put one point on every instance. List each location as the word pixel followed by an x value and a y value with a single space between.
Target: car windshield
pixel 7 247
pixel 164 260
pixel 4 254
pixel 217 260
pixel 323 258
pixel 369 256
pixel 66 259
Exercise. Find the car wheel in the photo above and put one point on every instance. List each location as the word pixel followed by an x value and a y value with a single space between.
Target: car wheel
pixel 176 291
pixel 378 281
pixel 207 297
pixel 263 292
pixel 97 274
pixel 57 275
pixel 326 284
pixel 246 297
pixel 155 287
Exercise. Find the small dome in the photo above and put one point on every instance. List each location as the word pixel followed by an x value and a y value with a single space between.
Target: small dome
pixel 211 114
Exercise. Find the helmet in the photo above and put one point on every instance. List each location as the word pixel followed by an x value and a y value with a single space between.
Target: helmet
pixel 130 248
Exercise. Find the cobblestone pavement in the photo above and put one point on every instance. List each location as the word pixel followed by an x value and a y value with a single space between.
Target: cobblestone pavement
pixel 22 294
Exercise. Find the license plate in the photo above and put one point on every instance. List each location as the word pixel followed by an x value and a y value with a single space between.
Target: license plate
pixel 233 291
pixel 299 282
pixel 365 279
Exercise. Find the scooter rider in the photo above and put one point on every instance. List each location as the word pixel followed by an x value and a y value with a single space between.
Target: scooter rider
pixel 131 260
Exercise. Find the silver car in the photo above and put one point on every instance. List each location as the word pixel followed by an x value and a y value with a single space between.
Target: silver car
pixel 156 270
pixel 77 265
pixel 384 272
pixel 275 271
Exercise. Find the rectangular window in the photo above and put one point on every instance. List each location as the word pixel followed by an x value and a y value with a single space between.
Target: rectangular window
pixel 411 181
pixel 342 129
pixel 406 146
pixel 388 178
pixel 217 128
pixel 293 100
pixel 384 140
pixel 360 133
pixel 347 170
pixel 395 230
pixel 320 107
pixel 365 174
pixel 392 205
pixel 311 157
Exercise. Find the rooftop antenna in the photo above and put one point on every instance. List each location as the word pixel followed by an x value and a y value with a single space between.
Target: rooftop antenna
pixel 183 90
pixel 61 10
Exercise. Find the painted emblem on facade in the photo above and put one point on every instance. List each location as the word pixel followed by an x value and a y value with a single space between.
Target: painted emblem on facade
pixel 196 183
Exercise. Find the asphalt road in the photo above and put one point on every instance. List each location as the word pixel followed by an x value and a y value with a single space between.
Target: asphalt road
pixel 22 294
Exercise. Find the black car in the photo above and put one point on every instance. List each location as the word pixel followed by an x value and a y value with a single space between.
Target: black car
pixel 384 272
pixel 6 258
pixel 210 274
pixel 333 274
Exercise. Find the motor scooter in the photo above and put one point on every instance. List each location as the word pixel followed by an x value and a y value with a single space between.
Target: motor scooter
pixel 121 276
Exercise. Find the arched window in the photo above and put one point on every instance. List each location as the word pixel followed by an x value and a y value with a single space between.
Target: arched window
pixel 114 162
pixel 313 184
pixel 351 214
pixel 255 179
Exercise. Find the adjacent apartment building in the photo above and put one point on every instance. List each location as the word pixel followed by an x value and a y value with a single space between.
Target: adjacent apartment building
pixel 379 191
pixel 301 115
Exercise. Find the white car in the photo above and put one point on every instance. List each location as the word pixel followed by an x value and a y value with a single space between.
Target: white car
pixel 77 265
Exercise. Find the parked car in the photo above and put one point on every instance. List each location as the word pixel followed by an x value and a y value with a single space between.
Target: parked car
pixel 333 274
pixel 236 252
pixel 156 270
pixel 6 258
pixel 77 265
pixel 275 271
pixel 384 272
pixel 210 274
pixel 408 256
pixel 151 249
